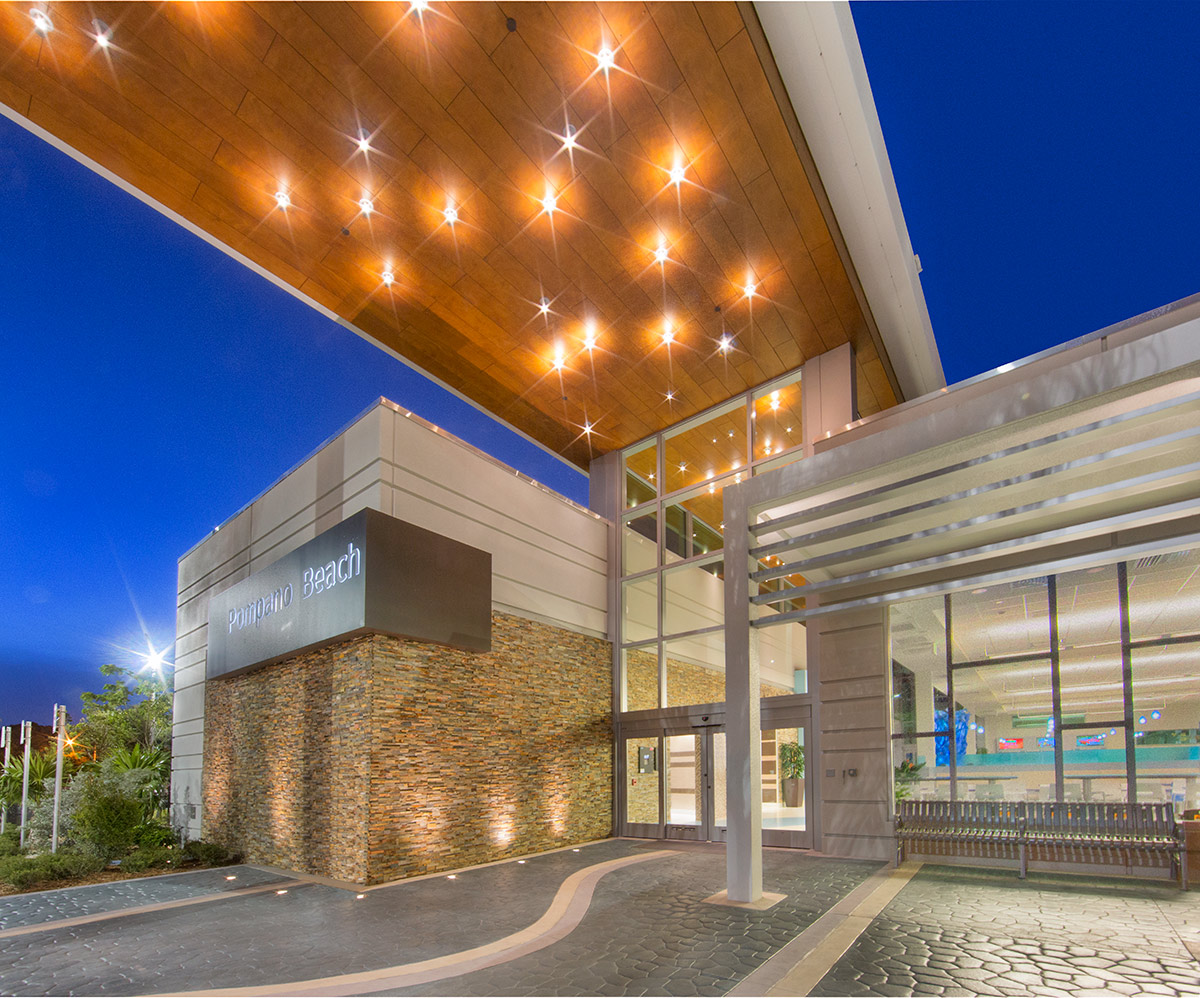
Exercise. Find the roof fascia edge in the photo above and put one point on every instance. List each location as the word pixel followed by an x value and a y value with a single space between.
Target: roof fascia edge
pixel 30 126
pixel 826 80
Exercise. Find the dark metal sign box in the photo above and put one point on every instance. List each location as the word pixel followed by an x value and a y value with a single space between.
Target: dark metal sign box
pixel 371 573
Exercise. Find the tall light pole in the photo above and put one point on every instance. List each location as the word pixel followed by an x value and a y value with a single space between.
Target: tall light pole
pixel 6 742
pixel 60 726
pixel 27 741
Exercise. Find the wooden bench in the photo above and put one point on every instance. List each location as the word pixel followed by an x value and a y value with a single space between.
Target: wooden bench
pixel 1078 829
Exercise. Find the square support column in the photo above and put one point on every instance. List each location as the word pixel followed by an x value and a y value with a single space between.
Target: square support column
pixel 743 733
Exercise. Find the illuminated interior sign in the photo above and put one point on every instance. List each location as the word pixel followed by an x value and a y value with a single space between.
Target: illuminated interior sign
pixel 1010 744
pixel 371 573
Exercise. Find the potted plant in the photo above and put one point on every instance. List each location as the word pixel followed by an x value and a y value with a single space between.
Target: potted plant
pixel 791 772
pixel 906 775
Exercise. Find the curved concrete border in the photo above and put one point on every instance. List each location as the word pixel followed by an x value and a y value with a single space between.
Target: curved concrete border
pixel 570 904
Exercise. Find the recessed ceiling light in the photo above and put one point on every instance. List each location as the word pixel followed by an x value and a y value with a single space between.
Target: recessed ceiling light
pixel 544 306
pixel 605 59
pixel 282 199
pixel 364 140
pixel 419 7
pixel 549 204
pixel 450 214
pixel 589 336
pixel 103 33
pixel 668 334
pixel 560 358
pixel 678 174
pixel 568 139
pixel 724 345
pixel 366 205
pixel 683 466
pixel 587 428
pixel 41 21
pixel 671 395
pixel 662 254
pixel 388 278
pixel 749 290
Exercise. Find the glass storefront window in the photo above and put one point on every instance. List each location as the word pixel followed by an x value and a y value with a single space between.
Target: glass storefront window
pixel 639 678
pixel 641 468
pixel 782 659
pixel 693 597
pixel 703 451
pixel 639 543
pixel 784 761
pixel 684 783
pixel 639 609
pixel 695 669
pixel 693 523
pixel 642 775
pixel 997 705
pixel 778 420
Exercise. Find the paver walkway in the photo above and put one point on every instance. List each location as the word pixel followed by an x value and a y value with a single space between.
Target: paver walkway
pixel 620 917
pixel 955 931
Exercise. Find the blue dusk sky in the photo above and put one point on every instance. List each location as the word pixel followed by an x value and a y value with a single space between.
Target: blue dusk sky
pixel 1045 156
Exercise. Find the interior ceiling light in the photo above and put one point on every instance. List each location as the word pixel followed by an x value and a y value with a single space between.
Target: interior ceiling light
pixel 589 336
pixel 364 140
pixel 450 214
pixel 549 204
pixel 683 466
pixel 678 174
pixel 366 205
pixel 544 306
pixel 419 7
pixel 749 290
pixel 587 428
pixel 606 59
pixel 671 395
pixel 388 278
pixel 668 334
pixel 569 142
pixel 724 345
pixel 282 199
pixel 662 254
pixel 41 21
pixel 559 357
pixel 103 33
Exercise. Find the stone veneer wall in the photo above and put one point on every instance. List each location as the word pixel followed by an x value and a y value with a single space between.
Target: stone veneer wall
pixel 381 758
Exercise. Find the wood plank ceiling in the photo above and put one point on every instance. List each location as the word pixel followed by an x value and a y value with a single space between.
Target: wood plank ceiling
pixel 211 109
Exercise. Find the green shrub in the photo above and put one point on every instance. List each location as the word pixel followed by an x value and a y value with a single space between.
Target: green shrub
pixel 26 871
pixel 151 857
pixel 10 842
pixel 153 833
pixel 106 821
pixel 208 853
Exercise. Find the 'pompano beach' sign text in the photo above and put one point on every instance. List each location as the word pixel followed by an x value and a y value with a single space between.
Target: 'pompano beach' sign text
pixel 371 572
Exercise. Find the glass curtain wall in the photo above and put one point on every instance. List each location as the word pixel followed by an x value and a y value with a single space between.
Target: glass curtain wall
pixel 1080 686
pixel 672 593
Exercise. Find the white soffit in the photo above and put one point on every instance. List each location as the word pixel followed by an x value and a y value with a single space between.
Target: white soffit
pixel 816 49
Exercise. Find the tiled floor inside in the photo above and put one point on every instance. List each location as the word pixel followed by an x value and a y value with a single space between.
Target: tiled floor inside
pixel 645 929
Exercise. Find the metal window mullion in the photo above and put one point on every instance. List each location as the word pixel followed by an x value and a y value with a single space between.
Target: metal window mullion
pixel 1055 684
pixel 1127 681
pixel 661 462
pixel 951 713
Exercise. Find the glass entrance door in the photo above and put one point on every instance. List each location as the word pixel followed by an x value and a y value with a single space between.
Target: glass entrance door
pixel 675 785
